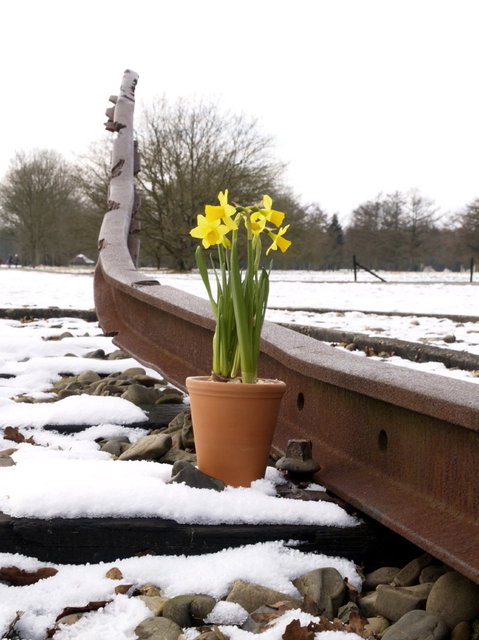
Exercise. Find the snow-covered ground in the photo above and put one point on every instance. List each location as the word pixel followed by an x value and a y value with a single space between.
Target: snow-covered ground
pixel 270 564
pixel 295 295
pixel 431 292
pixel 33 357
pixel 74 478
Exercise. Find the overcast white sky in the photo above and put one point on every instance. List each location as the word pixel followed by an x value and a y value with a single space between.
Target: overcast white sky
pixel 362 96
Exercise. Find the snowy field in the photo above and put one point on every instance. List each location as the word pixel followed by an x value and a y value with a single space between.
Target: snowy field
pixel 300 297
pixel 429 293
pixel 73 478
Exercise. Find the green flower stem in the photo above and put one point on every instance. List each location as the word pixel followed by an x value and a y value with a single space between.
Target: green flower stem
pixel 239 306
pixel 248 369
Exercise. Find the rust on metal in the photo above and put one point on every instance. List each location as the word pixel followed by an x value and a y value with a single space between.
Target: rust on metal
pixel 400 445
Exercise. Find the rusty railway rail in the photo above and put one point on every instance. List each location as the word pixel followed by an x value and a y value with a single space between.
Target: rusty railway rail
pixel 399 445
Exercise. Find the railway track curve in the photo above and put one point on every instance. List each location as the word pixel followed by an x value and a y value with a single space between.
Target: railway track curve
pixel 400 446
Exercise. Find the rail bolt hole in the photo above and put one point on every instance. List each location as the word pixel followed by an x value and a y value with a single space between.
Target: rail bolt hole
pixel 300 401
pixel 383 440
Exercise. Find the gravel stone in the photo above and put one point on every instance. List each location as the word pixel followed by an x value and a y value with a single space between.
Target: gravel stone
pixel 147 448
pixel 417 625
pixel 325 587
pixel 409 574
pixel 158 628
pixel 252 596
pixel 454 598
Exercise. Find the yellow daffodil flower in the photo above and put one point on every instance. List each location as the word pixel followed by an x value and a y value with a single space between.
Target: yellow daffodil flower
pixel 278 240
pixel 257 222
pixel 222 212
pixel 240 299
pixel 276 217
pixel 210 231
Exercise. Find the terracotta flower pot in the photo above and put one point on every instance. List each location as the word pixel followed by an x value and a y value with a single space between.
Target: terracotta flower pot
pixel 233 425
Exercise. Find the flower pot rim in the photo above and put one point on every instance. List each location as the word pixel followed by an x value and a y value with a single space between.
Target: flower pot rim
pixel 237 382
pixel 267 389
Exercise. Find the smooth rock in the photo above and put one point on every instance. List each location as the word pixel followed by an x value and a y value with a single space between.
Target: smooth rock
pixel 98 388
pixel 87 377
pixel 200 607
pixel 433 572
pixel 177 423
pixel 376 625
pixel 454 598
pixel 114 574
pixel 148 590
pixel 6 461
pixel 98 354
pixel 325 587
pixel 185 472
pixel 178 610
pixel 115 446
pixel 75 385
pixel 168 398
pixel 393 602
pixel 173 455
pixel 92 386
pixel 147 448
pixel 383 575
pixel 158 628
pixel 66 393
pixel 145 380
pixel 134 371
pixel 417 625
pixel 409 574
pixel 118 354
pixel 112 390
pixel 462 631
pixel 367 604
pixel 251 596
pixel 140 395
pixel 154 603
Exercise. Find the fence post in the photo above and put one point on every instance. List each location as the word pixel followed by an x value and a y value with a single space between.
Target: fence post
pixel 471 269
pixel 357 265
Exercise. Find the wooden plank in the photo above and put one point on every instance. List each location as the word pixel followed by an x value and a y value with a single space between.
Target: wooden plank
pixel 81 540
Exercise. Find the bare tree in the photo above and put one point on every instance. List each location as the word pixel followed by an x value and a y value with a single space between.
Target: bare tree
pixel 468 228
pixel 190 153
pixel 38 205
pixel 92 177
pixel 391 240
pixel 420 221
pixel 362 234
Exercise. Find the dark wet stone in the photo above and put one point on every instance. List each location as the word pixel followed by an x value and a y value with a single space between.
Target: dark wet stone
pixel 98 354
pixel 184 472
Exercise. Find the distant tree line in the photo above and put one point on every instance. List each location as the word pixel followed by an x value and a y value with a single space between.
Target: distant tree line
pixel 50 210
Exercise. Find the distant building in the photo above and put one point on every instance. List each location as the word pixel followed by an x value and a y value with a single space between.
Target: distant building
pixel 81 259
